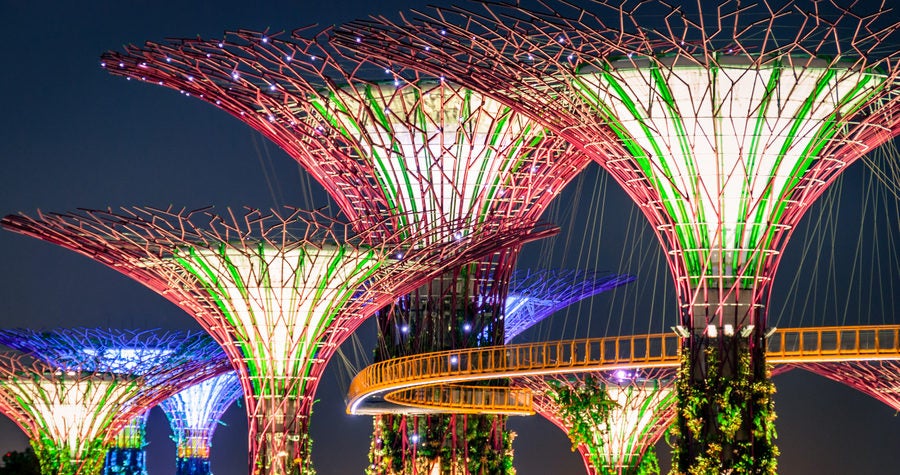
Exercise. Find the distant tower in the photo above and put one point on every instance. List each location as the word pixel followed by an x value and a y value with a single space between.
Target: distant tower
pixel 194 414
pixel 724 126
pixel 279 293
pixel 421 152
pixel 126 352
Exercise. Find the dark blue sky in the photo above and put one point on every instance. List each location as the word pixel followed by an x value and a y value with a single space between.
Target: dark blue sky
pixel 74 136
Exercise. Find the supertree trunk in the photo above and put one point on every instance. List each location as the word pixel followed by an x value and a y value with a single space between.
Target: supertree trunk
pixel 126 455
pixel 194 415
pixel 463 308
pixel 282 435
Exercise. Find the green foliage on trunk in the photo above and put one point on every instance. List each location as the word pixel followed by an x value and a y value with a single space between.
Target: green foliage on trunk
pixel 731 418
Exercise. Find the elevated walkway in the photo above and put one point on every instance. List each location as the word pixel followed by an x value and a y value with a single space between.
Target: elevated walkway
pixel 431 382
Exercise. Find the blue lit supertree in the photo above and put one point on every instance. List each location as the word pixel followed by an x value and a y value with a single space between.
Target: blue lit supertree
pixel 194 414
pixel 137 354
pixel 536 294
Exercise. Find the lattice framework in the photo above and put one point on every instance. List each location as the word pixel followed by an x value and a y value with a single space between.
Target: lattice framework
pixel 722 130
pixel 164 362
pixel 278 292
pixel 536 294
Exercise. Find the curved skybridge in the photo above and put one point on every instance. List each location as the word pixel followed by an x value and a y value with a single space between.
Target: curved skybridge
pixel 446 381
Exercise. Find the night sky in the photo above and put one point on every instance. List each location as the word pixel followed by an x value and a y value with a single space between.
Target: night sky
pixel 74 136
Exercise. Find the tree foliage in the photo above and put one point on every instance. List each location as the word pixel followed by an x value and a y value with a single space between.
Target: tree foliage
pixel 21 463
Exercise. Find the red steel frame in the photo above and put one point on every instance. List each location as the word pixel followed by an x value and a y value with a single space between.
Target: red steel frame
pixel 878 379
pixel 101 423
pixel 325 108
pixel 141 244
pixel 531 60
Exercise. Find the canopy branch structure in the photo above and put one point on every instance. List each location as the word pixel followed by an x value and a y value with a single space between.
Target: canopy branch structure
pixel 423 153
pixel 724 126
pixel 537 294
pixel 194 414
pixel 278 292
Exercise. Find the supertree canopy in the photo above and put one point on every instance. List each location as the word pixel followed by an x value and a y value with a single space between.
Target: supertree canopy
pixel 67 415
pixel 126 352
pixel 421 152
pixel 613 418
pixel 536 294
pixel 279 292
pixel 878 379
pixel 194 414
pixel 723 126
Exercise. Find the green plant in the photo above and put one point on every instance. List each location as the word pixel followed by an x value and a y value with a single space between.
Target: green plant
pixel 586 409
pixel 713 415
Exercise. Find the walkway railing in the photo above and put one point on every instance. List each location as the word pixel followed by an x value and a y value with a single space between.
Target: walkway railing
pixel 431 372
pixel 832 344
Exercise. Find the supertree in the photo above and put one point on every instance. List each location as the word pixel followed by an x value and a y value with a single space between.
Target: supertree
pixel 536 294
pixel 613 418
pixel 72 412
pixel 194 414
pixel 533 296
pixel 723 126
pixel 419 151
pixel 278 292
pixel 139 353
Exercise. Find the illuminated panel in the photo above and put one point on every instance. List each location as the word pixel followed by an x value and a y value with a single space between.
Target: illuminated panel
pixel 280 302
pixel 725 147
pixel 439 152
